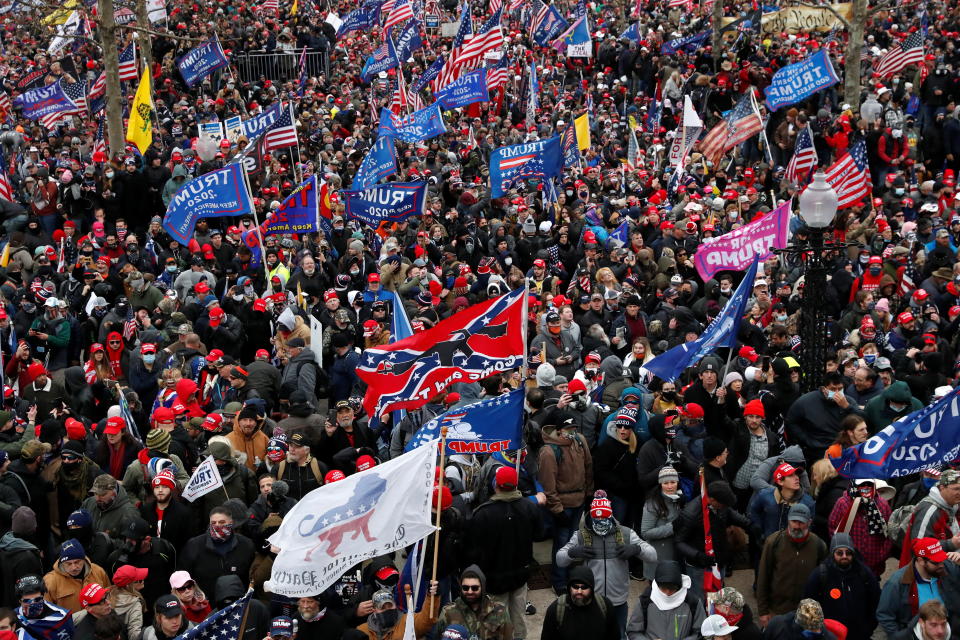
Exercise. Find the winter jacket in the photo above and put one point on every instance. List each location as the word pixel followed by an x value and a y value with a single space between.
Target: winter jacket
pixel 206 560
pixel 768 511
pixel 689 536
pixel 500 539
pixel 739 446
pixel 763 476
pixel 609 557
pixel 423 621
pixel 650 622
pixel 783 571
pixel 875 548
pixel 785 627
pixel 238 482
pixel 615 465
pixel 933 518
pixel 899 602
pixel 848 596
pixel 490 622
pixel 654 453
pixel 565 471
pixel 136 479
pixel 64 590
pixel 658 529
pixel 17 558
pixel 114 518
pixel 567 346
pixel 300 374
pixel 877 411
pixel 253 446
pixel 813 421
pixel 566 621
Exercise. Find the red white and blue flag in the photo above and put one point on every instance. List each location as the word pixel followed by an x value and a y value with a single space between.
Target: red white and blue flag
pixel 128 63
pixel 283 132
pixel 473 344
pixel 804 158
pixel 850 176
pixel 451 69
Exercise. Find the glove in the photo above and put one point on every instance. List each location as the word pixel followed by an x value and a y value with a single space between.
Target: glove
pixel 583 552
pixel 626 550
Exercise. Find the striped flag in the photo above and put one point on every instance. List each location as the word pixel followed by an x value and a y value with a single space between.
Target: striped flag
pixel 128 63
pixel 908 279
pixel 6 105
pixel 283 132
pixel 402 11
pixel 490 38
pixel 538 13
pixel 269 5
pixel 498 74
pixel 908 52
pixel 77 92
pixel 742 123
pixel 804 158
pixel 6 189
pixel 849 176
pixel 129 325
pixel 302 83
pixel 99 143
pixel 99 86
pixel 450 70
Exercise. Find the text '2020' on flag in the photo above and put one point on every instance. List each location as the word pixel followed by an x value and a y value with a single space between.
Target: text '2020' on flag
pixel 297 213
pixel 722 332
pixel 477 342
pixel 371 513
pixel 218 193
pixel 490 425
pixel 920 440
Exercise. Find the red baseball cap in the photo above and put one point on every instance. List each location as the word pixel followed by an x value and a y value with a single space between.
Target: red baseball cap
pixel 904 317
pixel 259 304
pixel 92 594
pixel 691 410
pixel 749 353
pixel 115 425
pixel 262 353
pixel 216 316
pixel 506 478
pixel 333 476
pixel 365 462
pixel 212 422
pixel 128 574
pixel 214 355
pixel 201 287
pixel 373 277
pixel 783 471
pixel 930 549
pixel 164 414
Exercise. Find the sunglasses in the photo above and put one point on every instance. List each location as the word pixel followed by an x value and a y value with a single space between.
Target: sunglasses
pixel 579 586
pixel 185 587
pixel 31 600
pixel 114 342
pixel 68 456
pixel 843 552
pixel 470 587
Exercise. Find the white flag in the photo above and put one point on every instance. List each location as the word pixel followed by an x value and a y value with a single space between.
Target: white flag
pixel 371 513
pixel 689 132
pixel 204 480
pixel 316 340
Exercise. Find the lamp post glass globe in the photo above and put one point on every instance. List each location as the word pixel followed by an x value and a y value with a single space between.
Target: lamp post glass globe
pixel 818 203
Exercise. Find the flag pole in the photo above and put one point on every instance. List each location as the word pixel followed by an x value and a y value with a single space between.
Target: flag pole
pixel 256 221
pixel 763 128
pixel 436 535
pixel 246 610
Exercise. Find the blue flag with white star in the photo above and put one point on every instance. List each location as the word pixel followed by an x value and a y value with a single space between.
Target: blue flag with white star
pixel 222 625
pixel 490 425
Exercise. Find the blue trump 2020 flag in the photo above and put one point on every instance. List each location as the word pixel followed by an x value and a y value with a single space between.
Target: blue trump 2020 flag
pixel 428 75
pixel 255 125
pixel 201 61
pixel 297 213
pixel 218 193
pixel 491 425
pixel 420 125
pixel 690 43
pixel 380 162
pixel 357 20
pixel 408 40
pixel 796 82
pixel 917 441
pixel 43 101
pixel 722 332
pixel 552 25
pixel 469 88
pixel 391 202
pixel 384 58
pixel 537 159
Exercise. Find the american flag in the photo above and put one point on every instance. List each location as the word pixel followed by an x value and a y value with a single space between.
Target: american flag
pixel 224 623
pixel 849 176
pixel 742 123
pixel 489 39
pixel 270 5
pixel 302 84
pixel 99 86
pixel 804 158
pixel 128 63
pixel 910 51
pixel 495 5
pixel 451 70
pixel 6 189
pixel 908 279
pixel 538 13
pixel 516 4
pixel 402 11
pixel 498 74
pixel 471 143
pixel 99 143
pixel 283 132
pixel 6 105
pixel 77 92
pixel 129 325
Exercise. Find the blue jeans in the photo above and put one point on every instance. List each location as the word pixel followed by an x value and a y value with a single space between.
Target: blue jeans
pixel 50 223
pixel 564 524
pixel 620 612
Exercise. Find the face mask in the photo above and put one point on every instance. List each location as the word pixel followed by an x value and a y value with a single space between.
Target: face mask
pixel 238 297
pixel 108 175
pixel 354 272
pixel 97 312
pixel 172 268
pixel 34 609
pixel 385 619
pixel 221 532
pixel 602 526
pixel 732 618
pixel 569 434
pixel 248 291
pixel 928 482
pixel 812 635
pixel 898 191
pixel 672 497
pixel 897 408
pixel 555 330
pixel 830 394
pixel 670 432
pixel 668 395
pixel 782 317
pixel 149 358
pixel 732 215
pixel 874 270
pixel 870 358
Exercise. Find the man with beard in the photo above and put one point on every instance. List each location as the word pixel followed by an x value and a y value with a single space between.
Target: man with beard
pixel 316 621
pixel 109 506
pixel 580 613
pixel 788 558
pixel 476 610
pixel 846 588
pixel 145 551
pixel 929 577
pixel 388 623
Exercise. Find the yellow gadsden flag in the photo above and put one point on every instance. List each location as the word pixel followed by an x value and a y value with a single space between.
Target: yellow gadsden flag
pixel 140 126
pixel 582 128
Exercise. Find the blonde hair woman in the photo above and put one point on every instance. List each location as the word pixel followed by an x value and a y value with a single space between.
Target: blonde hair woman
pixel 126 599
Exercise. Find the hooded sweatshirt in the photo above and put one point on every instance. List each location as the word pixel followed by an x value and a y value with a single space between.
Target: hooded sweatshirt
pixel 674 617
pixel 594 620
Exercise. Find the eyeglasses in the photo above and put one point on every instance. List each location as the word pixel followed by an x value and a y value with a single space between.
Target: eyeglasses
pixel 114 342
pixel 843 552
pixel 579 586
pixel 470 587
pixel 68 456
pixel 31 600
pixel 185 587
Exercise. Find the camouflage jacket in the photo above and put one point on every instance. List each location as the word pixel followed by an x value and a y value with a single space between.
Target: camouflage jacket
pixel 491 622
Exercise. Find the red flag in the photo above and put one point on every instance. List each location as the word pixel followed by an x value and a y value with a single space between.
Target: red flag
pixel 712 581
pixel 477 342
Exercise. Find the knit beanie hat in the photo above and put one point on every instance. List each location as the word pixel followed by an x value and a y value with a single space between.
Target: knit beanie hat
pixel 23 522
pixel 601 506
pixel 158 440
pixel 668 474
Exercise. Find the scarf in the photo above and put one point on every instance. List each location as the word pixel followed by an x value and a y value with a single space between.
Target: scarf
pixel 668 603
pixel 117 455
pixel 876 525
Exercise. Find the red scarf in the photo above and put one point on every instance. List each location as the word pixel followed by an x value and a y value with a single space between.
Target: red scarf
pixel 116 459
pixel 115 355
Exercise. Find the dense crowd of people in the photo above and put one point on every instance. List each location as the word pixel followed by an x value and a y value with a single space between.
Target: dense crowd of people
pixel 129 358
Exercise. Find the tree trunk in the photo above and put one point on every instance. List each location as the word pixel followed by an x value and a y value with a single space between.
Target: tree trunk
pixel 143 39
pixel 853 55
pixel 111 66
